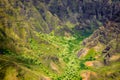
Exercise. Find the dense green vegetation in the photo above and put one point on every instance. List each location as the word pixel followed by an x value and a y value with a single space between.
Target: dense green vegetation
pixel 68 50
pixel 55 47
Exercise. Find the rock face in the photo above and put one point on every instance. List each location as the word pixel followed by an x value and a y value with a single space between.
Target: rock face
pixel 84 9
pixel 108 36
pixel 89 14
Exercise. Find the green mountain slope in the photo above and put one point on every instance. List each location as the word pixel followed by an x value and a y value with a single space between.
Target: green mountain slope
pixel 59 40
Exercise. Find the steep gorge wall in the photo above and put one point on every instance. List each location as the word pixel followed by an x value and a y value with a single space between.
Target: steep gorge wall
pixel 19 19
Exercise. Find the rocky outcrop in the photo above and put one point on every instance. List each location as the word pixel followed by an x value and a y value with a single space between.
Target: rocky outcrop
pixel 89 14
pixel 107 35
pixel 82 9
pixel 106 42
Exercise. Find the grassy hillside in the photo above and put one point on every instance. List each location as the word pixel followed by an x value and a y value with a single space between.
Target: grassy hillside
pixel 55 40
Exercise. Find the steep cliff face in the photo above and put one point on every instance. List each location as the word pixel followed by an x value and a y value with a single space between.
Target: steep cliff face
pixel 108 36
pixel 87 15
pixel 84 11
pixel 20 19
